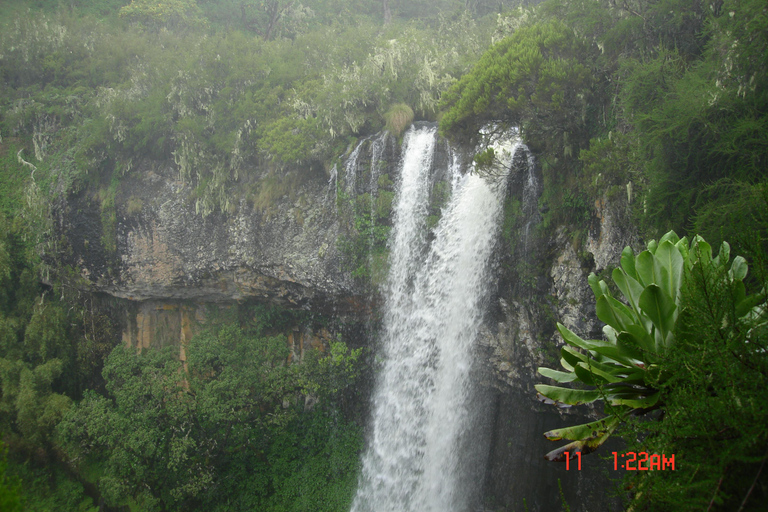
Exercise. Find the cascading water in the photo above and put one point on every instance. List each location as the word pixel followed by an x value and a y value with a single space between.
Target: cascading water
pixel 350 169
pixel 423 437
pixel 530 206
pixel 377 152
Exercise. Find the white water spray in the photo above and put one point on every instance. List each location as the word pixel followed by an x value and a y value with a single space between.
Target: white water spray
pixel 422 438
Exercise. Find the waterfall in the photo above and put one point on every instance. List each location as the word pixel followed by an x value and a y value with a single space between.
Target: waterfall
pixel 377 152
pixel 332 186
pixel 423 436
pixel 530 207
pixel 350 170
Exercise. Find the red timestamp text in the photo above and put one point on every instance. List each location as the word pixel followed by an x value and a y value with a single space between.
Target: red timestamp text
pixel 642 461
pixel 568 460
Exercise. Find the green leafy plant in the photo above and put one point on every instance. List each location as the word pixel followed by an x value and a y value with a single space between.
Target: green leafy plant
pixel 627 368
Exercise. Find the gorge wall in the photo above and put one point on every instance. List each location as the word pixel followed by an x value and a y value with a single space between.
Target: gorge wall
pixel 167 266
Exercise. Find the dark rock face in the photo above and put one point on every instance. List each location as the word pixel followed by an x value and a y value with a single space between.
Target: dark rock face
pixel 165 251
pixel 518 476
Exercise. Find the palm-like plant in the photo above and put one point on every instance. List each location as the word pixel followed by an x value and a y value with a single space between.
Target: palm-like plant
pixel 626 369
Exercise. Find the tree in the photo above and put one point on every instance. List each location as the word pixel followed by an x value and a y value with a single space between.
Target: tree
pixel 265 17
pixel 172 439
pixel 537 79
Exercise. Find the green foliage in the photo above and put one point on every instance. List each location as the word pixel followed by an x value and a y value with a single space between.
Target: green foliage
pixel 228 429
pixel 671 120
pixel 314 465
pixel 48 486
pixel 610 164
pixel 663 101
pixel 165 13
pixel 537 79
pixel 10 488
pixel 485 159
pixel 13 177
pixel 697 122
pixel 732 210
pixel 291 139
pixel 34 347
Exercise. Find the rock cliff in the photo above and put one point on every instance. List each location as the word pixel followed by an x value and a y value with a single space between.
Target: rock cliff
pixel 286 253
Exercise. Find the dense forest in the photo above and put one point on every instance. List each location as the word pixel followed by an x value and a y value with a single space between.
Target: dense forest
pixel 661 104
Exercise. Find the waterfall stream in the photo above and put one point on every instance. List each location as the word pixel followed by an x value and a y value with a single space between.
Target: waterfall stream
pixel 424 448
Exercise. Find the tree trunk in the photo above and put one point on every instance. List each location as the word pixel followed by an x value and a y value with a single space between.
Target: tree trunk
pixel 387 12
pixel 275 13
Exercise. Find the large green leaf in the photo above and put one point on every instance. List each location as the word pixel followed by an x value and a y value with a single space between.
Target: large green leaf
pixel 605 348
pixel 586 376
pixel 644 266
pixel 723 256
pixel 571 338
pixel 568 396
pixel 626 372
pixel 565 364
pixel 642 349
pixel 618 354
pixel 749 303
pixel 738 268
pixel 594 283
pixel 614 313
pixel 557 376
pixel 597 373
pixel 571 356
pixel 701 251
pixel 682 246
pixel 669 236
pixel 661 309
pixel 626 391
pixel 629 366
pixel 629 287
pixel 575 340
pixel 641 403
pixel 584 445
pixel 628 263
pixel 668 257
pixel 583 431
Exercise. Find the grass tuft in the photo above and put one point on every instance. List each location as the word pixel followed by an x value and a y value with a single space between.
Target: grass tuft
pixel 398 118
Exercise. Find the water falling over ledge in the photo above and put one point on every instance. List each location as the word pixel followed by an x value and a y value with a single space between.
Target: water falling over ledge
pixel 424 447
